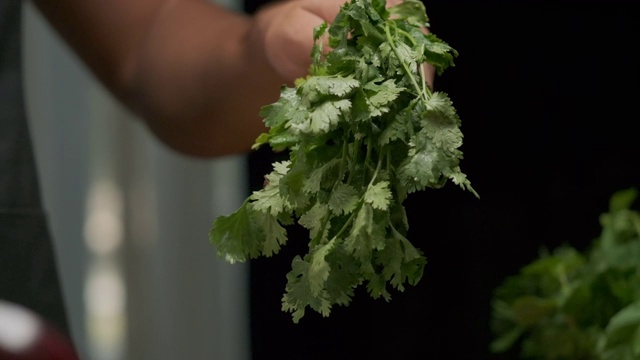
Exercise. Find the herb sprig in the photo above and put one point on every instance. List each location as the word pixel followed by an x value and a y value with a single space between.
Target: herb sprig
pixel 362 130
pixel 577 305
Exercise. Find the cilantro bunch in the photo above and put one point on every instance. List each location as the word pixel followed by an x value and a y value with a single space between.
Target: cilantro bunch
pixel 577 305
pixel 362 130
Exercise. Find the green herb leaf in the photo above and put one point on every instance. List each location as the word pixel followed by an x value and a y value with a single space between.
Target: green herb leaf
pixel 577 305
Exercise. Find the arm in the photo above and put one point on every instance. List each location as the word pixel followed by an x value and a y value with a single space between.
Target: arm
pixel 196 73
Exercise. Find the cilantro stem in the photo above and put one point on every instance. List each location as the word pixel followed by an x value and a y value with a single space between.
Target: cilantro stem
pixel 376 171
pixel 343 159
pixel 425 89
pixel 355 146
pixel 367 158
pixel 406 34
pixel 419 92
pixel 347 223
pixel 317 239
pixel 341 171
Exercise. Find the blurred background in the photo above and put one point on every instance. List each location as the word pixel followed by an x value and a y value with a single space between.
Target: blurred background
pixel 547 92
pixel 130 220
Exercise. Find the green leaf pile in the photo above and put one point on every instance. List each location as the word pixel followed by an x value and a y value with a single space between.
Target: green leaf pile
pixel 362 131
pixel 577 305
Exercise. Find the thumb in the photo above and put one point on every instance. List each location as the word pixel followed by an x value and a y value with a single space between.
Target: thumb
pixel 284 32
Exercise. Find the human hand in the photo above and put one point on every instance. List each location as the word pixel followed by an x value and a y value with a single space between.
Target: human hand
pixel 283 30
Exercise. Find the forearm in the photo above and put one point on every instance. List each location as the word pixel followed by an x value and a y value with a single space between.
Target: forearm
pixel 184 67
pixel 199 85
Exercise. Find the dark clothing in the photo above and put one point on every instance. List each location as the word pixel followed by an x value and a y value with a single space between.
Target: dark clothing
pixel 28 273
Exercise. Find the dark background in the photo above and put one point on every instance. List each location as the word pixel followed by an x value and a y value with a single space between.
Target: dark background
pixel 547 92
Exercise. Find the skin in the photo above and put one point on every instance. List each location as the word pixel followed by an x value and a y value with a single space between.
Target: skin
pixel 196 73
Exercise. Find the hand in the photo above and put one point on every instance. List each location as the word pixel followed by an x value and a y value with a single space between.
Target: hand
pixel 283 31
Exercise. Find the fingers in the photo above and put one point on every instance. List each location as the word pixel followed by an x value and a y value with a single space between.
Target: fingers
pixel 286 30
pixel 326 10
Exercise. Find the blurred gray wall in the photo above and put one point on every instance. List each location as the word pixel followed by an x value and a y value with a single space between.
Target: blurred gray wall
pixel 130 220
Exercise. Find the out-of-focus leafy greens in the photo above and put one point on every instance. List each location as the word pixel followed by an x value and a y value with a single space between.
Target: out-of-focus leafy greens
pixel 577 305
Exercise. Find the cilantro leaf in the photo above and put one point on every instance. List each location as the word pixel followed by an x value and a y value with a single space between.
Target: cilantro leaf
pixel 237 236
pixel 571 304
